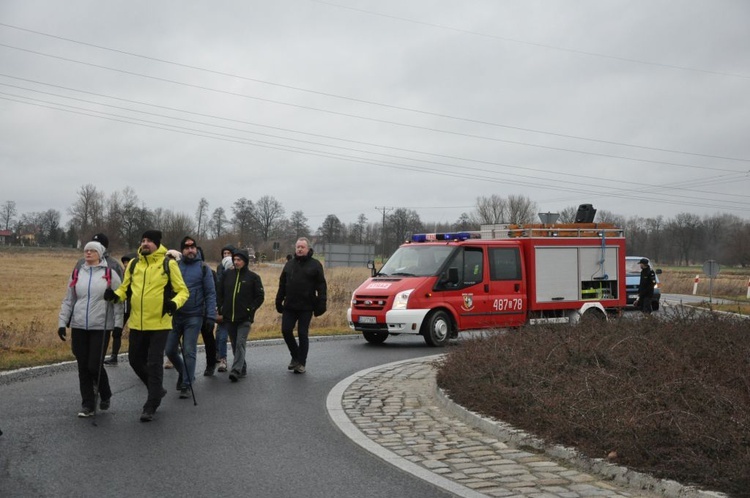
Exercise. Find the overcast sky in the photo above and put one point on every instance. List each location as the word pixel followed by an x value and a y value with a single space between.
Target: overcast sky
pixel 639 107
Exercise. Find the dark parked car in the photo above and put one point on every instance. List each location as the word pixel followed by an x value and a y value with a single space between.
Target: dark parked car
pixel 633 276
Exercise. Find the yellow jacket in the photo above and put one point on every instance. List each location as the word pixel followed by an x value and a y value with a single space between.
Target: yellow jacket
pixel 146 282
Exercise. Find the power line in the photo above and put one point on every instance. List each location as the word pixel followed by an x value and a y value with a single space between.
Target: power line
pixel 535 44
pixel 354 99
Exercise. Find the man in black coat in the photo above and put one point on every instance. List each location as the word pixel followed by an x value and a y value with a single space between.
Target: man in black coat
pixel 646 287
pixel 302 294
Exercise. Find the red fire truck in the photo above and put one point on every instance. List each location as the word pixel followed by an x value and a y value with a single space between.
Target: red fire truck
pixel 439 284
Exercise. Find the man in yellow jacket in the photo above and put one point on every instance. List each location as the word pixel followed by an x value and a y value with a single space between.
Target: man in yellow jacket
pixel 153 301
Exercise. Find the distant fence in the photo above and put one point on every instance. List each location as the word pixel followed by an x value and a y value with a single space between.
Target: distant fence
pixel 351 255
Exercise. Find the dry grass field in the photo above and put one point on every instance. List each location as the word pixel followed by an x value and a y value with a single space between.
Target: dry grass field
pixel 33 284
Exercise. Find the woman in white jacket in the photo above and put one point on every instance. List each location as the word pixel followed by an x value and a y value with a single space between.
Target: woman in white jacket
pixel 88 315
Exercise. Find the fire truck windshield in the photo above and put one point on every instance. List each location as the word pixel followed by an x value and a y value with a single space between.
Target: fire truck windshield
pixel 416 260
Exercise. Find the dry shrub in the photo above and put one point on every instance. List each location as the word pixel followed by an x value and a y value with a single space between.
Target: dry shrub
pixel 671 397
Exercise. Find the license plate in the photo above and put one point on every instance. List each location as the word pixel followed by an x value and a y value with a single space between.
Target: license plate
pixel 367 319
pixel 632 296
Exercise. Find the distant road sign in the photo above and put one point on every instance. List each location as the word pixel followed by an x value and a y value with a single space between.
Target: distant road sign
pixel 711 268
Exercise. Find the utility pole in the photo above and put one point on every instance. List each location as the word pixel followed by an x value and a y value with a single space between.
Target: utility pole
pixel 382 230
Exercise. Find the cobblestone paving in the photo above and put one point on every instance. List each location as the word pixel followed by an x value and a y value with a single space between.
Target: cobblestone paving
pixel 395 407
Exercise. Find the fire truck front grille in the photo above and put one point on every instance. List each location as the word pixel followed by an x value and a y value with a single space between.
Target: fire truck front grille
pixel 369 303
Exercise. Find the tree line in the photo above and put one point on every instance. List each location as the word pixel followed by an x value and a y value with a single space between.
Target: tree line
pixel 683 240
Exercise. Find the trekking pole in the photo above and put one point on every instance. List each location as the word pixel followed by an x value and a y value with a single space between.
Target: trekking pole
pixel 100 359
pixel 184 365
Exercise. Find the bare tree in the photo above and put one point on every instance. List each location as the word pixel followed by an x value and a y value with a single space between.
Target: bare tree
pixel 218 222
pixel 174 227
pixel 655 228
pixel 330 230
pixel 604 216
pixel 86 213
pixel 134 218
pixel 490 210
pixel 568 215
pixel 8 214
pixel 298 225
pixel 268 213
pixel 521 210
pixel 402 223
pixel 464 223
pixel 243 219
pixel 201 217
pixel 357 231
pixel 684 233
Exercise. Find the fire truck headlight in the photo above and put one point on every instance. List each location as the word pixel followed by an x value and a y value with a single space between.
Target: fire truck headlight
pixel 402 299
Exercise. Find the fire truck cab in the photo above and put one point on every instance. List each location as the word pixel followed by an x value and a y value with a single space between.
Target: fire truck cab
pixel 439 284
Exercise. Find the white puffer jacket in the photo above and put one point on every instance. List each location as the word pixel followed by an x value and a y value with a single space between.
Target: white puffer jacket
pixel 84 306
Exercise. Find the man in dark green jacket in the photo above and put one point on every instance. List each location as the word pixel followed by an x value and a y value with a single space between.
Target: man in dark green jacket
pixel 239 296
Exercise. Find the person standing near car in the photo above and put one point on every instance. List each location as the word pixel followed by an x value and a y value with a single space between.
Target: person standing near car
pixel 302 293
pixel 646 287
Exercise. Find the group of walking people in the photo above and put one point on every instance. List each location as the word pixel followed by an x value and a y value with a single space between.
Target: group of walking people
pixel 167 303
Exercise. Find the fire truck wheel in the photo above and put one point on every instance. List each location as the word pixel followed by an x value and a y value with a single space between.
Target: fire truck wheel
pixel 375 337
pixel 438 330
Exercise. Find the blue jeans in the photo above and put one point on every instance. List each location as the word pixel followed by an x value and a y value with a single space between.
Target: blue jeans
pixel 221 341
pixel 188 328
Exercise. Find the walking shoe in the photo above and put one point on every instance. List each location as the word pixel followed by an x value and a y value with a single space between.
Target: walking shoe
pixel 292 365
pixel 168 364
pixel 85 413
pixel 234 375
pixel 184 394
pixel 210 369
pixel 111 361
pixel 104 404
pixel 299 369
pixel 147 415
pixel 223 365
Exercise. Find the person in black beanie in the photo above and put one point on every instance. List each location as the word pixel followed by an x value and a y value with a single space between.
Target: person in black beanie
pixel 239 296
pixel 150 313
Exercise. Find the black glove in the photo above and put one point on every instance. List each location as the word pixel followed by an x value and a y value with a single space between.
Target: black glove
pixel 279 305
pixel 109 295
pixel 319 309
pixel 117 331
pixel 61 333
pixel 171 307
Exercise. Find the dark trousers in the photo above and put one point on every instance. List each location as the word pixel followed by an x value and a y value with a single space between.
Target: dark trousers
pixel 302 319
pixel 117 337
pixel 89 347
pixel 209 341
pixel 146 356
pixel 645 304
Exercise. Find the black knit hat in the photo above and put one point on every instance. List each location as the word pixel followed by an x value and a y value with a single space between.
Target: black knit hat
pixel 184 241
pixel 102 239
pixel 152 235
pixel 644 261
pixel 242 254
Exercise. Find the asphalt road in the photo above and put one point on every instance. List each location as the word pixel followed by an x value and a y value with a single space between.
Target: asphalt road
pixel 267 435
